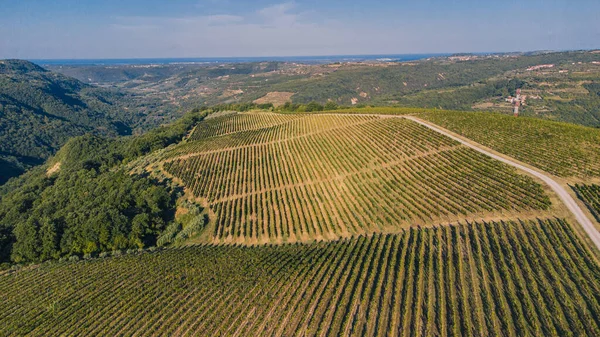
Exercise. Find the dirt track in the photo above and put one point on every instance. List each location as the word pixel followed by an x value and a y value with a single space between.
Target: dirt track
pixel 566 198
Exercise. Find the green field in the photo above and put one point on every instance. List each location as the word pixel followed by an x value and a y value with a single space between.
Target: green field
pixel 565 150
pixel 278 178
pixel 486 279
pixel 590 195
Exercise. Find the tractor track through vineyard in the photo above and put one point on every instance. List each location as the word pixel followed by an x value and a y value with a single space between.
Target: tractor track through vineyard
pixel 331 176
pixel 566 198
pixel 406 230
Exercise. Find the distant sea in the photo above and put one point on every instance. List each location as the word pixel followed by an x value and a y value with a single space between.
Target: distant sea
pixel 209 60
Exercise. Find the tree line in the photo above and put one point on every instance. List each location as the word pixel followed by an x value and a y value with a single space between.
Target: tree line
pixel 92 203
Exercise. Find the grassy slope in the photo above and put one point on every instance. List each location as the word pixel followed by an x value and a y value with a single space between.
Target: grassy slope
pixel 477 279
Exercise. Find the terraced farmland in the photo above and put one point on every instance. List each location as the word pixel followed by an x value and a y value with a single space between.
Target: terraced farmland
pixel 522 278
pixel 329 176
pixel 240 122
pixel 215 138
pixel 565 150
pixel 590 195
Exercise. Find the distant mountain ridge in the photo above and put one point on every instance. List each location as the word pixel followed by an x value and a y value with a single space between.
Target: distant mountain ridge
pixel 40 110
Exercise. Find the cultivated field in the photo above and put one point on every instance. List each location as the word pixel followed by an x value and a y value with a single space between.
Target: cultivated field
pixel 590 195
pixel 278 178
pixel 240 122
pixel 564 150
pixel 522 278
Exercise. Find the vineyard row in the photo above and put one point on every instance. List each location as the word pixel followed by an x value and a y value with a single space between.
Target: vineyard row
pixel 300 127
pixel 240 122
pixel 590 195
pixel 373 176
pixel 561 149
pixel 517 278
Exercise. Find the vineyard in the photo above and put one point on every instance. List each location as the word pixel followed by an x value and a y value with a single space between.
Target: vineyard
pixel 218 133
pixel 521 278
pixel 278 178
pixel 240 122
pixel 562 149
pixel 590 195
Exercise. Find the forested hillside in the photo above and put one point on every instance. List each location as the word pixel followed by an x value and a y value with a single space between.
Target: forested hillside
pixel 41 110
pixel 567 91
pixel 85 201
pixel 124 75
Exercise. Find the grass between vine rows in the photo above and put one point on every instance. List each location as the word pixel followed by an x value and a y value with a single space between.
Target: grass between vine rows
pixel 565 150
pixel 288 178
pixel 487 279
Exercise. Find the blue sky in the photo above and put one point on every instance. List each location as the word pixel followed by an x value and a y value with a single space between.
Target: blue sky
pixel 212 28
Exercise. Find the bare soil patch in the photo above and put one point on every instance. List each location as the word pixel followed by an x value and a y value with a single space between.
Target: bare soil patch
pixel 55 168
pixel 278 98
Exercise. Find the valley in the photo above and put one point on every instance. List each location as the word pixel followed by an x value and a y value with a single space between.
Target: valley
pixel 564 92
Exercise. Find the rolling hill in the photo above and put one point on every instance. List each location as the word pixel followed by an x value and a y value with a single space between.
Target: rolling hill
pixel 270 177
pixel 567 91
pixel 335 223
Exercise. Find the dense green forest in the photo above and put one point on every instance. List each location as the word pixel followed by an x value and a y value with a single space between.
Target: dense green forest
pixel 41 110
pixel 114 75
pixel 91 203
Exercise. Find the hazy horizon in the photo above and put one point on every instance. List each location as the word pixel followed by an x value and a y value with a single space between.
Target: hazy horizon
pixel 125 29
pixel 307 56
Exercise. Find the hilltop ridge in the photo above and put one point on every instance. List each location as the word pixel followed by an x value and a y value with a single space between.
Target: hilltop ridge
pixel 41 110
pixel 19 66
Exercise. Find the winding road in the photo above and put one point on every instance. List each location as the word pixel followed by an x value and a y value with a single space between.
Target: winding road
pixel 583 220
